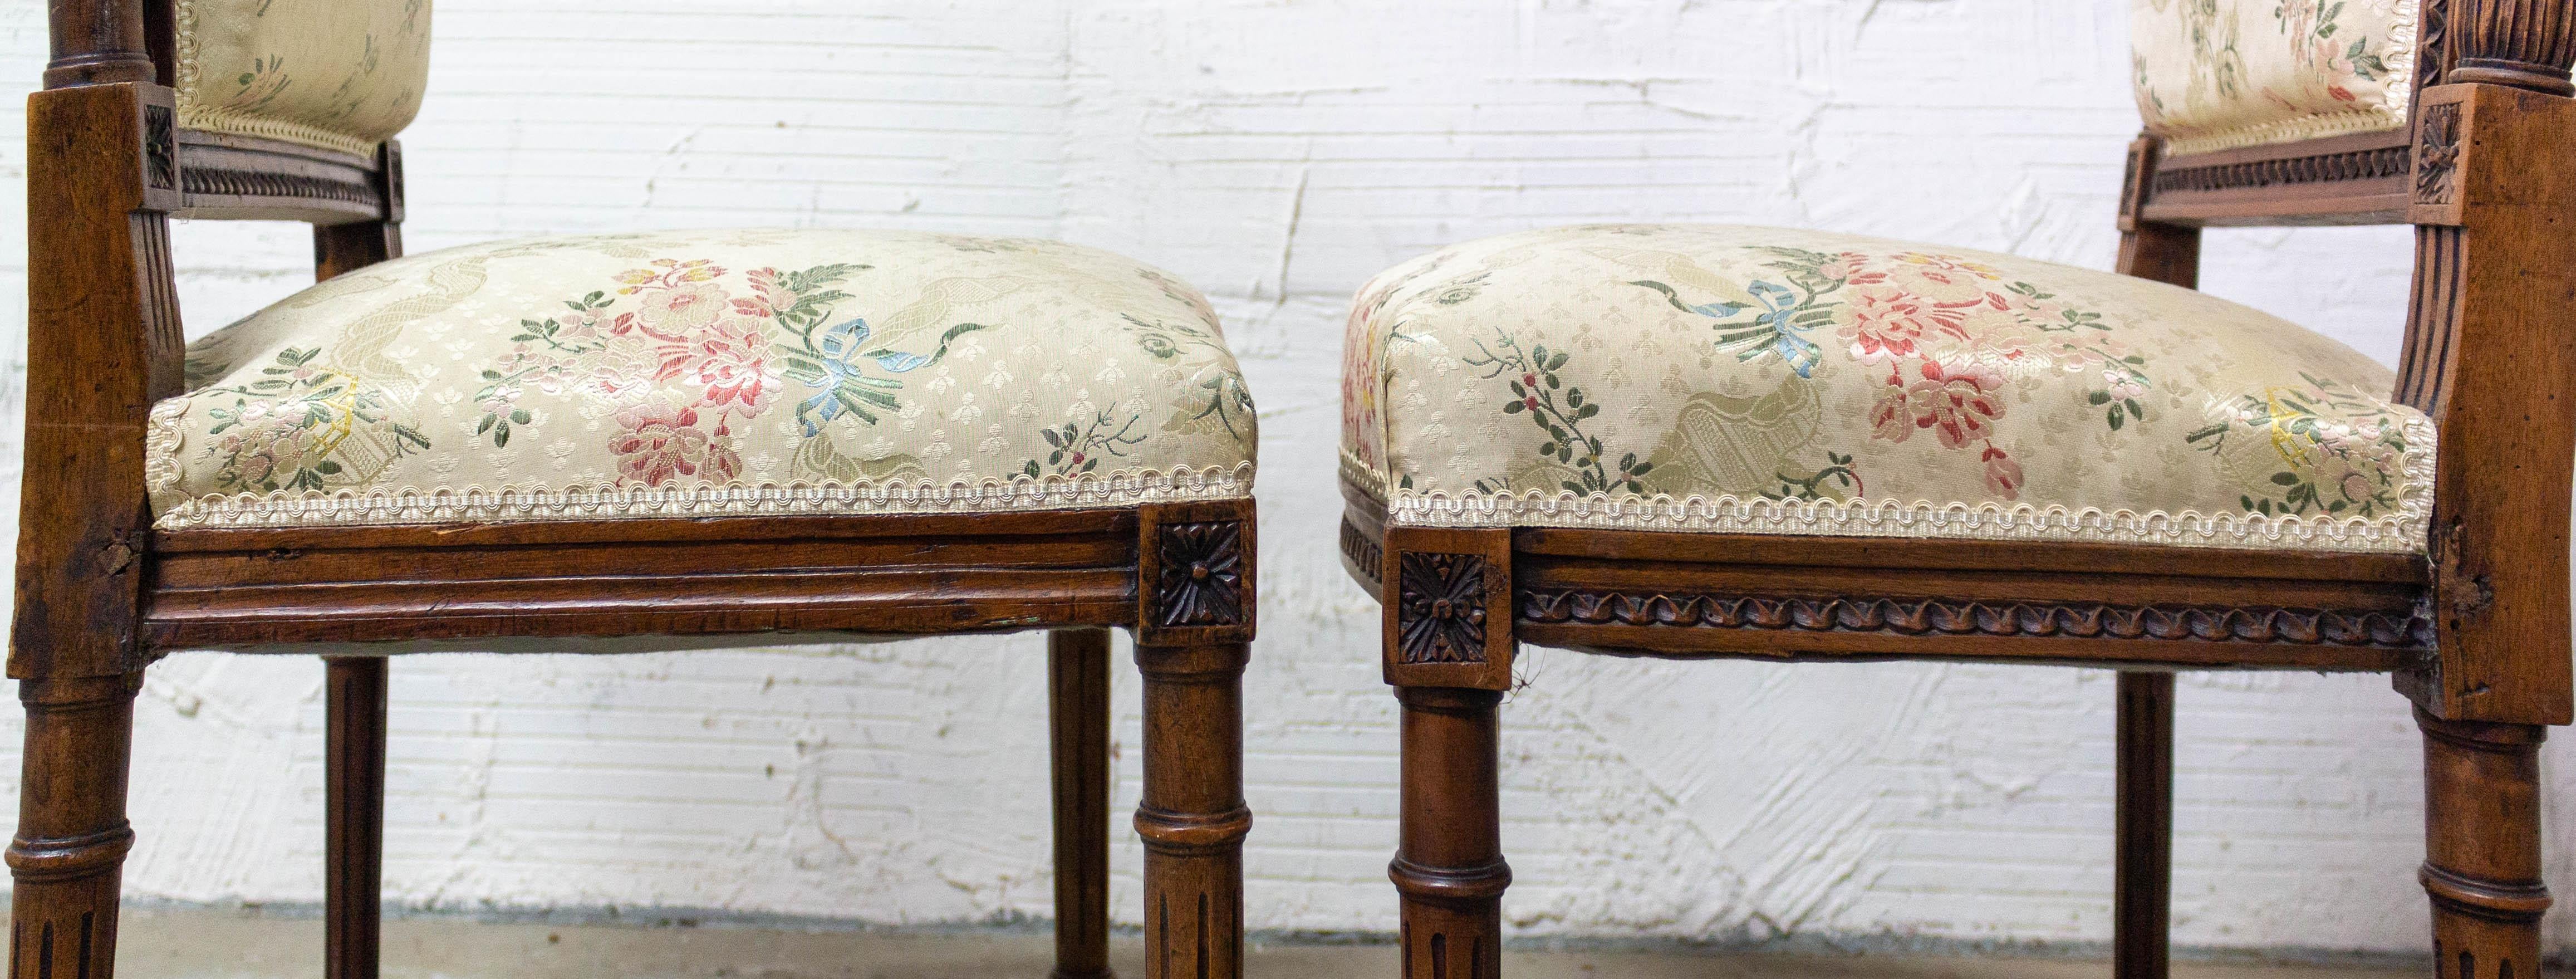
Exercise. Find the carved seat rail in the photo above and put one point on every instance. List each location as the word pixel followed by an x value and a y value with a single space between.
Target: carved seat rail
pixel 224 177
pixel 2357 179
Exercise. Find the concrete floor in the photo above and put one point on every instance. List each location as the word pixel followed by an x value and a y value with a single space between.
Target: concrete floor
pixel 215 944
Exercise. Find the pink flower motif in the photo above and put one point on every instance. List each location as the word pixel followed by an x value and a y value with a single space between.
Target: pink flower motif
pixel 683 307
pixel 1944 280
pixel 730 360
pixel 2122 384
pixel 1958 404
pixel 1886 324
pixel 660 445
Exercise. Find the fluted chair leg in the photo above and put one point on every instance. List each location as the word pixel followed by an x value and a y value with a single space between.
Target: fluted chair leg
pixel 1193 818
pixel 1450 867
pixel 2482 847
pixel 68 858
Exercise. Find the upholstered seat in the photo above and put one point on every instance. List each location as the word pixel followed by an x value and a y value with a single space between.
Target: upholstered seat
pixel 708 373
pixel 1754 380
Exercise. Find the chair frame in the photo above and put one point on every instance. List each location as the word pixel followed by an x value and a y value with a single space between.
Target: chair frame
pixel 2477 636
pixel 102 594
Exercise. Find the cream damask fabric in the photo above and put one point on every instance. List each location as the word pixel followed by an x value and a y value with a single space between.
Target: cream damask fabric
pixel 338 74
pixel 709 373
pixel 2215 74
pixel 1754 380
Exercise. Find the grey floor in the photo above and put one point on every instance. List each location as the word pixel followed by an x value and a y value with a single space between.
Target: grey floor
pixel 216 944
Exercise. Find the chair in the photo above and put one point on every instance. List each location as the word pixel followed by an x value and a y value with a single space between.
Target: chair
pixel 675 435
pixel 1697 442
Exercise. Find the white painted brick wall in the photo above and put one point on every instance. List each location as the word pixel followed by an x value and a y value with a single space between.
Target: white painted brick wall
pixel 1277 154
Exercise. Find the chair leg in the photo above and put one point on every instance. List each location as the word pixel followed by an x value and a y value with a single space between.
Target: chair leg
pixel 354 816
pixel 1078 722
pixel 2482 847
pixel 1449 867
pixel 1192 817
pixel 2142 870
pixel 69 854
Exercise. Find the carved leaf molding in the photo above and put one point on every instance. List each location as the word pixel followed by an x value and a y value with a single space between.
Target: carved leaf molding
pixel 1911 617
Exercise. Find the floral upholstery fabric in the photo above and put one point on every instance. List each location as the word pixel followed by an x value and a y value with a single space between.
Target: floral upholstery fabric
pixel 338 74
pixel 1754 380
pixel 708 373
pixel 2215 74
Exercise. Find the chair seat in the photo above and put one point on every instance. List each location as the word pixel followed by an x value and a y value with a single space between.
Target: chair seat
pixel 708 373
pixel 1755 380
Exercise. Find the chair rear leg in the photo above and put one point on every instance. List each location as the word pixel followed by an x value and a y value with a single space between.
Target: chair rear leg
pixel 2482 847
pixel 354 804
pixel 2142 870
pixel 69 855
pixel 1078 722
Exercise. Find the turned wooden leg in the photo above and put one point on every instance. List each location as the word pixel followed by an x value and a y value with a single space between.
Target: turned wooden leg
pixel 2482 847
pixel 2142 870
pixel 1078 721
pixel 1450 866
pixel 354 816
pixel 69 854
pixel 1193 818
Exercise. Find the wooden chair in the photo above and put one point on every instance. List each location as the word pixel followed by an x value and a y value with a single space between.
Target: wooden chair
pixel 1728 442
pixel 616 436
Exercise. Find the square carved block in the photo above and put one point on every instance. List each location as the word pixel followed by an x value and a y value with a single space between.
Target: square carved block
pixel 1448 608
pixel 1194 575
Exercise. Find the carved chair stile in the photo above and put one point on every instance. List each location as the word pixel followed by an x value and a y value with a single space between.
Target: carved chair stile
pixel 2254 537
pixel 140 535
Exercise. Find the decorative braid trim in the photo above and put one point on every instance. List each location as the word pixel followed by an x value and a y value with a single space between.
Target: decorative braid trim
pixel 2374 119
pixel 2407 531
pixel 1125 488
pixel 2391 113
pixel 218 119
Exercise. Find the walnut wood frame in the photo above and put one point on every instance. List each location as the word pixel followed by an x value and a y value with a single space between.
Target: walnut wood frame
pixel 101 593
pixel 2477 636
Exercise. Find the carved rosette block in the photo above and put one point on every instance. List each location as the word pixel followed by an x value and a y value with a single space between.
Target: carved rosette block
pixel 389 178
pixel 1448 607
pixel 2444 144
pixel 2135 179
pixel 1201 581
pixel 1443 618
pixel 160 147
pixel 1194 574
pixel 2437 154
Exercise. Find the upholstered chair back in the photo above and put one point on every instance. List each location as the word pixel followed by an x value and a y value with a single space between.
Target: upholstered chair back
pixel 2220 74
pixel 337 74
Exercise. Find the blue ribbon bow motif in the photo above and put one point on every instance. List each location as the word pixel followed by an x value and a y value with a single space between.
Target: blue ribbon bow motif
pixel 1779 304
pixel 841 367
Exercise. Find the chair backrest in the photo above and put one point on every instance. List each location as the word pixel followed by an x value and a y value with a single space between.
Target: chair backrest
pixel 2453 116
pixel 2221 74
pixel 336 74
